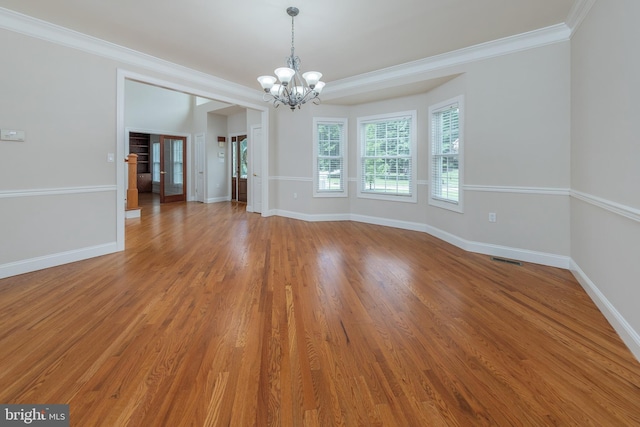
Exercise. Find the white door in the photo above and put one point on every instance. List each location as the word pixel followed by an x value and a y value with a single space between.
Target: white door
pixel 200 167
pixel 256 167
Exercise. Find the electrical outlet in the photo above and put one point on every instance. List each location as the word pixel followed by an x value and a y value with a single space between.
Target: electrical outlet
pixel 295 195
pixel 493 217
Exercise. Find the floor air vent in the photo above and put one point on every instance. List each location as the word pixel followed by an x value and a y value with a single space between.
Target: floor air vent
pixel 507 261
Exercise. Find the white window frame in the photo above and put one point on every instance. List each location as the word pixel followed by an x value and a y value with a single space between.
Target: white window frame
pixel 434 199
pixel 362 192
pixel 317 192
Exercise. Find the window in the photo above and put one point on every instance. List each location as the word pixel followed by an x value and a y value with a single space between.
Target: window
pixel 155 159
pixel 386 164
pixel 177 161
pixel 446 154
pixel 329 179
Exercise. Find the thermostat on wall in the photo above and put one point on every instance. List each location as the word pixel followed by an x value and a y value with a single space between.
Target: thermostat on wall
pixel 12 135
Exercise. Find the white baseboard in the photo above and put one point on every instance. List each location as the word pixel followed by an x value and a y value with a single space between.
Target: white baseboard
pixel 132 213
pixel 308 217
pixel 525 255
pixel 54 260
pixel 628 335
pixel 405 225
pixel 217 199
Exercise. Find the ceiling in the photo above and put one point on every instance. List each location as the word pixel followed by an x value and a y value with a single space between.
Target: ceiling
pixel 238 40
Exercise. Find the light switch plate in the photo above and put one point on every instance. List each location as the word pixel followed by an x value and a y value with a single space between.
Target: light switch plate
pixel 12 135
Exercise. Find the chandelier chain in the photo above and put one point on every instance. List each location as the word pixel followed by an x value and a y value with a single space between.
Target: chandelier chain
pixel 293 53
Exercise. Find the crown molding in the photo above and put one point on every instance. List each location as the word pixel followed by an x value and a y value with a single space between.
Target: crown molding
pixel 419 70
pixel 578 13
pixel 37 28
pixel 406 73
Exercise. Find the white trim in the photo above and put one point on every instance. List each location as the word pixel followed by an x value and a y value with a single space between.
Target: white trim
pixel 616 208
pixel 518 190
pixel 413 143
pixel 9 194
pixel 404 225
pixel 543 258
pixel 535 257
pixel 122 144
pixel 309 217
pixel 386 77
pixel 251 194
pixel 628 335
pixel 43 30
pixel 265 161
pixel 414 71
pixel 344 149
pixel 291 178
pixel 47 261
pixel 432 199
pixel 196 155
pixel 132 213
pixel 218 199
pixel 578 13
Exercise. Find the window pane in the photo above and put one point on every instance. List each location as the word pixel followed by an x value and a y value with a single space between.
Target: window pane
pixel 387 176
pixel 243 159
pixel 330 174
pixel 155 158
pixel 386 159
pixel 329 140
pixel 177 161
pixel 445 147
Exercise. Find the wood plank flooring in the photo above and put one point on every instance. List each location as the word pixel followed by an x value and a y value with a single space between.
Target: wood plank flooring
pixel 217 317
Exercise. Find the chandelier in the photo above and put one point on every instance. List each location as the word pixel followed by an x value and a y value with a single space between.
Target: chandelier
pixel 293 89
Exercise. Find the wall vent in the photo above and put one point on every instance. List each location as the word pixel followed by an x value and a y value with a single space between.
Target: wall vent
pixel 505 260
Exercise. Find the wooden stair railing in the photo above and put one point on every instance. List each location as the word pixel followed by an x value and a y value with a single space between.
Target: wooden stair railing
pixel 132 187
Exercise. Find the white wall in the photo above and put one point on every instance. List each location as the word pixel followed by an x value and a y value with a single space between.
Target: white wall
pixel 605 162
pixel 57 190
pixel 155 108
pixel 218 180
pixel 517 144
pixel 61 200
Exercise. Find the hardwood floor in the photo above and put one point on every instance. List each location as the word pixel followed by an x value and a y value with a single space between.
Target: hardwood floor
pixel 217 317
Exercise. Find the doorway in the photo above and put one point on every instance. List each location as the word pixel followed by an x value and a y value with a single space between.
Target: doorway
pixel 161 165
pixel 134 109
pixel 239 167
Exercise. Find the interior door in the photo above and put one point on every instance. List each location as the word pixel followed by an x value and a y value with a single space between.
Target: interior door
pixel 256 167
pixel 239 168
pixel 173 170
pixel 200 152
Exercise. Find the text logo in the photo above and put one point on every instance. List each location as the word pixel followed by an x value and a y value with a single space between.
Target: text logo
pixel 34 415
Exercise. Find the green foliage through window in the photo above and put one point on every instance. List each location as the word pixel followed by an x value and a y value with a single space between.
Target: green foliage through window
pixel 330 156
pixel 386 156
pixel 445 151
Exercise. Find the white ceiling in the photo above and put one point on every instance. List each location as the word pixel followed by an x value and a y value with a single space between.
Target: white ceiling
pixel 238 40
